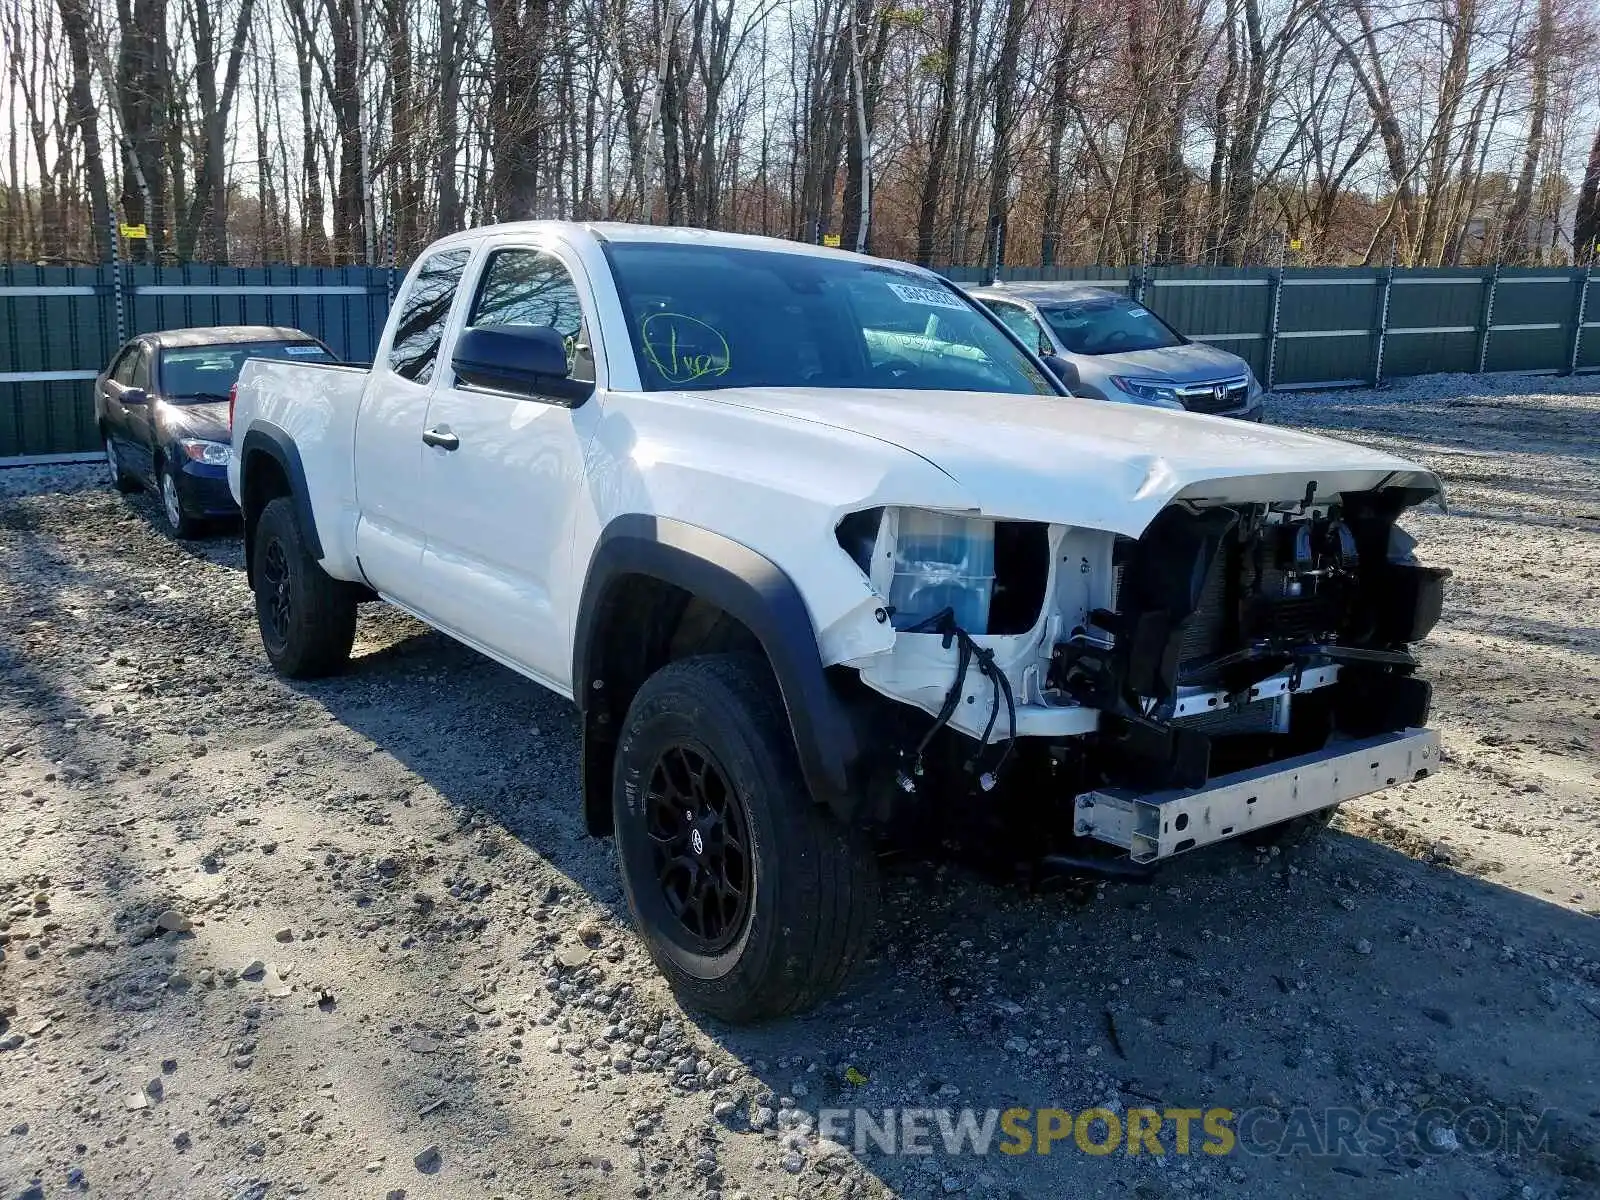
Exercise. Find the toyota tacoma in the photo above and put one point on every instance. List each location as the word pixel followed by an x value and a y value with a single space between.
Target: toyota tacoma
pixel 826 556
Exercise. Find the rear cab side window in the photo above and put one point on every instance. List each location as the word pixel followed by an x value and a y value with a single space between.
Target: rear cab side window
pixel 420 327
pixel 533 287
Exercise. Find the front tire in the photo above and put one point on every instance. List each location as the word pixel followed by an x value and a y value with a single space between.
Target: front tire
pixel 754 902
pixel 307 617
pixel 181 524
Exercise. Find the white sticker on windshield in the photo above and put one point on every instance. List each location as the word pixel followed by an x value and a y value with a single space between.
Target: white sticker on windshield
pixel 937 297
pixel 299 350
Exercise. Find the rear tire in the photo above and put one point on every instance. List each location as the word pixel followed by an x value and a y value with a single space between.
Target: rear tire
pixel 708 795
pixel 307 617
pixel 120 479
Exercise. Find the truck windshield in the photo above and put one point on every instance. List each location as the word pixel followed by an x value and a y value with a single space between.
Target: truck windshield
pixel 722 317
pixel 1108 325
pixel 198 374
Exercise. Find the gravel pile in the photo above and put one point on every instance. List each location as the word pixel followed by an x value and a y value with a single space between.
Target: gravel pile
pixel 348 939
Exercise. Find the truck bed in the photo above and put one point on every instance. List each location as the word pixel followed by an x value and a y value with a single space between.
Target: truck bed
pixel 313 406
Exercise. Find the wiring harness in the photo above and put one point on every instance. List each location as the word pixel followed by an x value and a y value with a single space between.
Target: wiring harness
pixel 968 652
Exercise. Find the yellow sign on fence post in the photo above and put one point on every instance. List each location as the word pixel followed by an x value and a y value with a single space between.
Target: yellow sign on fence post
pixel 831 239
pixel 132 231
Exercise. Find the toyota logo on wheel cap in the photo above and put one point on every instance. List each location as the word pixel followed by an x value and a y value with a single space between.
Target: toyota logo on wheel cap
pixel 698 842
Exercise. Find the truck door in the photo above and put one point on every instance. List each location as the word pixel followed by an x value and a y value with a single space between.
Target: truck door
pixel 504 478
pixel 388 442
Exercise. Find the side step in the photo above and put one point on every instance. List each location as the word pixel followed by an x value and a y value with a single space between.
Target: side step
pixel 1158 825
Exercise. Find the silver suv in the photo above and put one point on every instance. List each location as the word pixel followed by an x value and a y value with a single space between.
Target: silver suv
pixel 1109 347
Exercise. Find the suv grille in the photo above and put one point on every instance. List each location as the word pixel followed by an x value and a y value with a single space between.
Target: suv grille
pixel 1222 395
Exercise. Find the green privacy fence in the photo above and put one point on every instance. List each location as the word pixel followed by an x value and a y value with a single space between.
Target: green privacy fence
pixel 1298 328
pixel 59 326
pixel 1311 327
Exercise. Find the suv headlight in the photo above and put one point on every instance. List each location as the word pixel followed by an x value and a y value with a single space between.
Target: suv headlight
pixel 1150 391
pixel 217 454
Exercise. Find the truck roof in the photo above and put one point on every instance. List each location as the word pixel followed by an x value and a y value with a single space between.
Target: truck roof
pixel 625 231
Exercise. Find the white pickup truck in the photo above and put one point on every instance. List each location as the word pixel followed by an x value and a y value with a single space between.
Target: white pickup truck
pixel 823 554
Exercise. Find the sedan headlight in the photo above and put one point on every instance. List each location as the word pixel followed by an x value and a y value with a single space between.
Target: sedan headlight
pixel 217 454
pixel 1149 391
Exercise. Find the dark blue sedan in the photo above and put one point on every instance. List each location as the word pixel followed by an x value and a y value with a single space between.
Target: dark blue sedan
pixel 162 410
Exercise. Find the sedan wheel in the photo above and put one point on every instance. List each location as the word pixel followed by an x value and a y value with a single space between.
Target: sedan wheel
pixel 119 478
pixel 182 526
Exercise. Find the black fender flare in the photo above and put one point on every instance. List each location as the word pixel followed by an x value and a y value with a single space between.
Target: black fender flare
pixel 263 437
pixel 750 588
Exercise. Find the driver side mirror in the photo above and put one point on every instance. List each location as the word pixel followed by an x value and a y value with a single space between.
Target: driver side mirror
pixel 134 395
pixel 1064 370
pixel 526 360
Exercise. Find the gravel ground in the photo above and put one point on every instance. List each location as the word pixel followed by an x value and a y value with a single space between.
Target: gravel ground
pixel 347 939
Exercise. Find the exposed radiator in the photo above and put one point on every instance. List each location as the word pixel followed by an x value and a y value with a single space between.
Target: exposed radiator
pixel 1204 632
pixel 1257 716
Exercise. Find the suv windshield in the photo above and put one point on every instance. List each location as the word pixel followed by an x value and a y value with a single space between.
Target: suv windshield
pixel 1107 325
pixel 197 374
pixel 721 317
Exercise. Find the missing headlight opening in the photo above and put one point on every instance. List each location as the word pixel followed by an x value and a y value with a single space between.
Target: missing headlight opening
pixel 993 575
pixel 1226 637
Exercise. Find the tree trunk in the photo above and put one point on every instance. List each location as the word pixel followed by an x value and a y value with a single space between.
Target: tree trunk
pixel 517 30
pixel 1061 78
pixel 1518 242
pixel 344 96
pixel 449 219
pixel 1586 228
pixel 866 92
pixel 82 114
pixel 142 93
pixel 1005 120
pixel 939 143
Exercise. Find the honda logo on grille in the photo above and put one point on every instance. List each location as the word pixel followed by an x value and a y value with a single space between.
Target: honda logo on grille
pixel 1219 393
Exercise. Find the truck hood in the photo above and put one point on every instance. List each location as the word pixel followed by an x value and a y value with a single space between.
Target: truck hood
pixel 1084 462
pixel 1194 362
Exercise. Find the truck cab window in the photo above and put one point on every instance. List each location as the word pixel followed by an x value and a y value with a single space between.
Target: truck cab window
pixel 532 287
pixel 420 327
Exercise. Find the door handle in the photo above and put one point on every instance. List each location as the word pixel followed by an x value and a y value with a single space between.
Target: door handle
pixel 441 437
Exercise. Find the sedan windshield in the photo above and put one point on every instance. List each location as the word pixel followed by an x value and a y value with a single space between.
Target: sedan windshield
pixel 197 374
pixel 1108 325
pixel 722 317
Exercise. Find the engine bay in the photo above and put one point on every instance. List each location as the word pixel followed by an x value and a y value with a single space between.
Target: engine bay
pixel 1050 660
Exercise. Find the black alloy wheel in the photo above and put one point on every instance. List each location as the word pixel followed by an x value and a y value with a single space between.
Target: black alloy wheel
pixel 753 899
pixel 307 618
pixel 278 609
pixel 701 841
